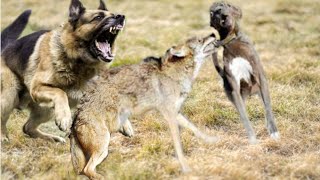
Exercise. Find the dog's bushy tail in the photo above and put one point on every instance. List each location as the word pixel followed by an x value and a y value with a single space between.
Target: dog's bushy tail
pixel 78 157
pixel 13 31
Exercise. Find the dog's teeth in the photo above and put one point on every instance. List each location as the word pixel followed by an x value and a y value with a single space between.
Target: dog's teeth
pixel 97 44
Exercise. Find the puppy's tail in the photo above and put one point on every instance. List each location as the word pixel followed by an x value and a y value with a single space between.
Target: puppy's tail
pixel 13 31
pixel 78 157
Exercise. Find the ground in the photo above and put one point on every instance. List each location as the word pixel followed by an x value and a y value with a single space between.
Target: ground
pixel 286 34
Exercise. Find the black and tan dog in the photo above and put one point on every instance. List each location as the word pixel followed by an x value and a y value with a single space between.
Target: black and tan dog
pixel 243 74
pixel 46 71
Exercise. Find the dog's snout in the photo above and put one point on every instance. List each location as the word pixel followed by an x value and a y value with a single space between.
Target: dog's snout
pixel 119 16
pixel 224 16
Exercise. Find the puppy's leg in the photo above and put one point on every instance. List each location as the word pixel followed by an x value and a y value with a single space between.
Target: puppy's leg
pixel 57 98
pixel 235 97
pixel 38 116
pixel 183 121
pixel 9 97
pixel 97 145
pixel 125 124
pixel 265 96
pixel 174 128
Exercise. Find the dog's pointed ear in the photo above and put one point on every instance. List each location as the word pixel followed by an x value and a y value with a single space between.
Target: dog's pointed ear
pixel 76 9
pixel 102 6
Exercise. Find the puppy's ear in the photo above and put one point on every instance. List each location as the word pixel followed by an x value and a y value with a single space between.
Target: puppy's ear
pixel 236 11
pixel 102 6
pixel 214 6
pixel 76 9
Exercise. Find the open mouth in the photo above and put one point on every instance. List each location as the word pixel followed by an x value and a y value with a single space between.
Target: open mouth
pixel 103 44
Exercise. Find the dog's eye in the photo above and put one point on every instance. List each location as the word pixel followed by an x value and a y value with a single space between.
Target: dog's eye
pixel 98 18
pixel 211 13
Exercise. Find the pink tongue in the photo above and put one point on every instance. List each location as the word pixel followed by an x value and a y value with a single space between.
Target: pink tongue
pixel 105 49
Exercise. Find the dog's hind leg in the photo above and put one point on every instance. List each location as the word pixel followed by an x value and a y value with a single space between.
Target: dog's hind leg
pixel 174 129
pixel 183 121
pixel 38 116
pixel 9 97
pixel 265 96
pixel 235 96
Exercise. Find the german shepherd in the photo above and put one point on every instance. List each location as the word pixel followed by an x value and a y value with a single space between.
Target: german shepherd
pixel 160 84
pixel 47 71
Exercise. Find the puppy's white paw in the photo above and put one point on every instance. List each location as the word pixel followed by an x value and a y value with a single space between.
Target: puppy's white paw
pixel 275 135
pixel 253 140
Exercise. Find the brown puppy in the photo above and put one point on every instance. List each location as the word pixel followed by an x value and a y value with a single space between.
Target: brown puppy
pixel 160 84
pixel 46 71
pixel 243 74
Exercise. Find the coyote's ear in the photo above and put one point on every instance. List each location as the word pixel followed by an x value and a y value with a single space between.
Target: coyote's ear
pixel 76 9
pixel 102 6
pixel 180 53
pixel 173 55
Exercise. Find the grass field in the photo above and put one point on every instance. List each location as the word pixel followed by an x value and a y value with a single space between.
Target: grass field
pixel 286 34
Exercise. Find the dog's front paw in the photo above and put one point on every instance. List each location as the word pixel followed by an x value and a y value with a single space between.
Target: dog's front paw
pixel 64 121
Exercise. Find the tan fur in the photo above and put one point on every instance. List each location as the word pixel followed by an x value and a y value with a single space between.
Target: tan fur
pixel 132 91
pixel 55 77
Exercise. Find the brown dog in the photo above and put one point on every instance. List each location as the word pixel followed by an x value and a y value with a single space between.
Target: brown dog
pixel 243 74
pixel 47 71
pixel 160 84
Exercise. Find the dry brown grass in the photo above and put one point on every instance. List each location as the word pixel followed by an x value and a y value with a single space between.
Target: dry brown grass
pixel 286 34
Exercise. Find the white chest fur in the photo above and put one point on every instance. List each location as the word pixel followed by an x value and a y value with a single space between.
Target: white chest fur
pixel 240 69
pixel 198 61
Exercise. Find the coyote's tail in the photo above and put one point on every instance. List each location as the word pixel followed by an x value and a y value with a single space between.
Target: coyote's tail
pixel 13 31
pixel 77 155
